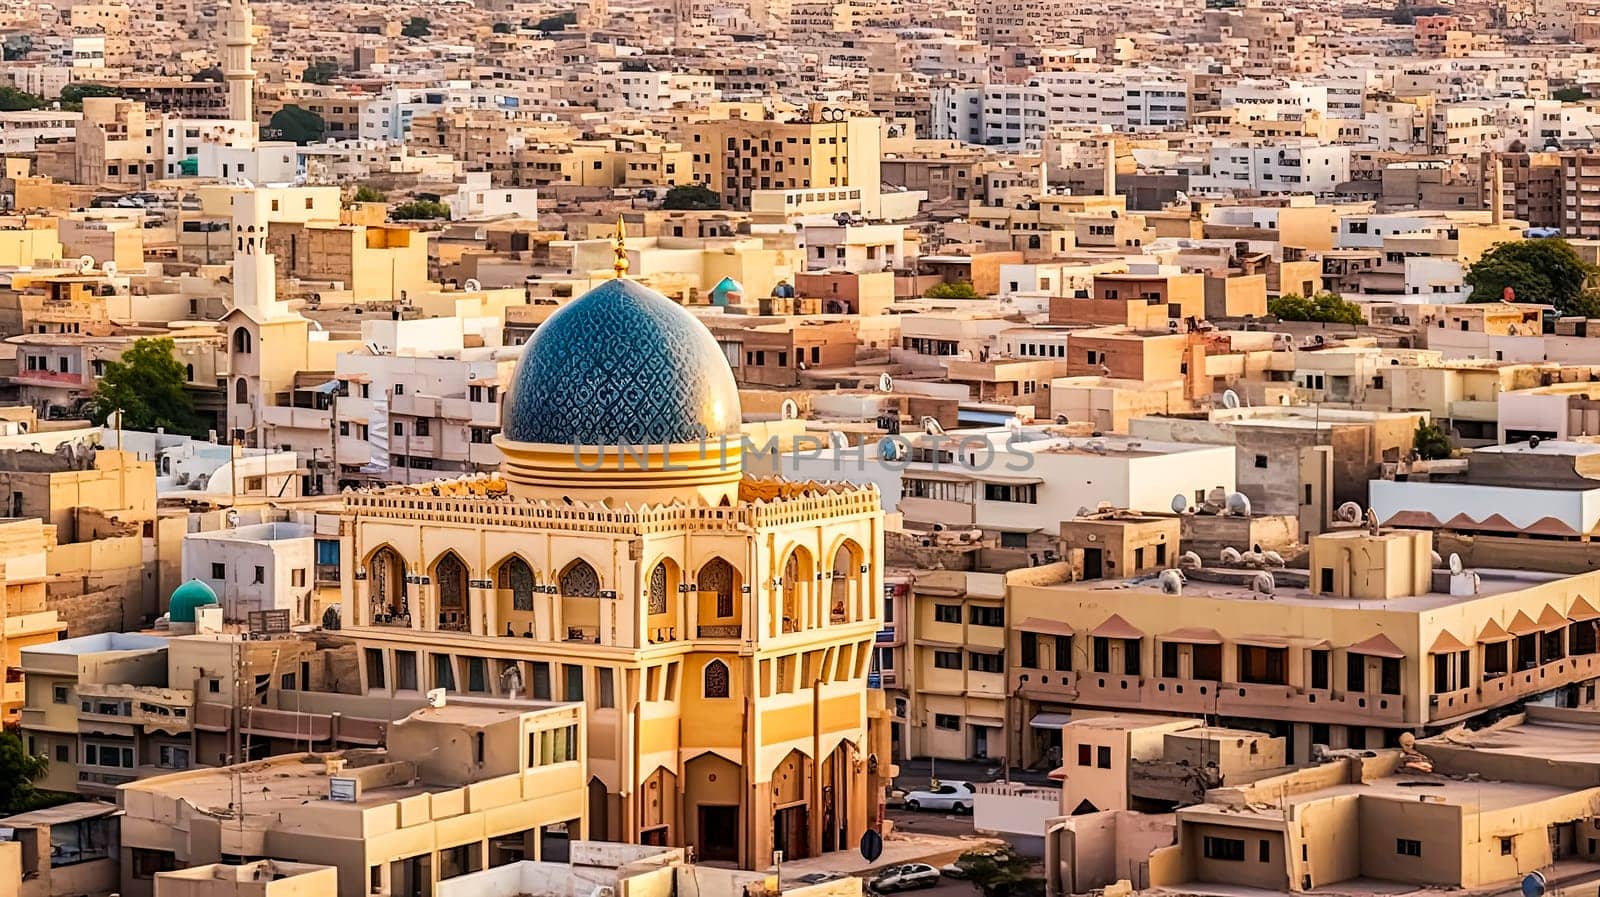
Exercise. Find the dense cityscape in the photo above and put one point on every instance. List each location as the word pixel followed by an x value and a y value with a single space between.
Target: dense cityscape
pixel 799 448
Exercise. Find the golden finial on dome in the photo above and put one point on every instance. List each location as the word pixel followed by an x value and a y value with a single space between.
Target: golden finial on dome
pixel 621 264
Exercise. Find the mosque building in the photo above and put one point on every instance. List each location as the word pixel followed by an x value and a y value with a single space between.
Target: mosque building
pixel 718 628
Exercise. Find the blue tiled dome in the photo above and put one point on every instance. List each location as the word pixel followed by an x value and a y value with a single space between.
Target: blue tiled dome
pixel 621 365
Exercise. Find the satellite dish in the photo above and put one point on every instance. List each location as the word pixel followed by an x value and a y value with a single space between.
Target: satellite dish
pixel 472 285
pixel 1533 884
pixel 1238 504
pixel 931 426
pixel 1455 564
pixel 1180 503
pixel 1230 399
pixel 885 382
pixel 890 449
pixel 789 410
pixel 1533 442
pixel 436 697
pixel 85 264
pixel 110 269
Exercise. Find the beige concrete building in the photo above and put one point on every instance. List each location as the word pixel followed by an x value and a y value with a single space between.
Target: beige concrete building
pixel 1377 643
pixel 460 788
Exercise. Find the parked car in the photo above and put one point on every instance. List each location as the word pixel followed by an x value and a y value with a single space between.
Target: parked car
pixel 817 878
pixel 953 796
pixel 953 870
pixel 905 878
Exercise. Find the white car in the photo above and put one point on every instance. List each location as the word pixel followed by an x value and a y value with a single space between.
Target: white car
pixel 953 796
pixel 905 878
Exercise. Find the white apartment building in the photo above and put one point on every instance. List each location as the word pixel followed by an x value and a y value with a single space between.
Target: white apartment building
pixel 478 199
pixel 1121 99
pixel 1005 481
pixel 1303 167
pixel 21 131
pixel 1275 100
pixel 184 138
pixel 265 566
pixel 855 248
pixel 421 405
pixel 653 91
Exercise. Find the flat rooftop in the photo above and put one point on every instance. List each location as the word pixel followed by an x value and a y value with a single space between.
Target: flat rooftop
pixel 1473 796
pixel 1491 582
pixel 103 641
pixel 1544 740
pixel 276 784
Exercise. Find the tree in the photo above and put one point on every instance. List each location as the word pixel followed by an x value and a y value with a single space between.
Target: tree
pixel 367 193
pixel 18 771
pixel 14 100
pixel 213 73
pixel 1431 441
pixel 1545 271
pixel 73 95
pixel 297 124
pixel 420 209
pixel 1000 872
pixel 1569 94
pixel 147 386
pixel 960 289
pixel 691 196
pixel 1324 307
pixel 558 22
pixel 416 26
pixel 320 72
pixel 16 46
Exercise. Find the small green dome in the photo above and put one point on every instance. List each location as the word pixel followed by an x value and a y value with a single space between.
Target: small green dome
pixel 185 598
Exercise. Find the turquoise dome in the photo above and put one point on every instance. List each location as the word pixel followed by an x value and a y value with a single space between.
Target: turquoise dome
pixel 719 293
pixel 621 365
pixel 186 598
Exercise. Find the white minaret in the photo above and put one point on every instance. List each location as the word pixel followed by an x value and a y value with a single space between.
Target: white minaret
pixel 237 39
pixel 255 273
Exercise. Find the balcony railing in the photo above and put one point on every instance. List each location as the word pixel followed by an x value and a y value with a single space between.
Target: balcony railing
pixel 719 630
pixel 589 634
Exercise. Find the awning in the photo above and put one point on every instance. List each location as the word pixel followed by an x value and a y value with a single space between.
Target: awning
pixel 1582 610
pixel 942 476
pixel 1493 632
pixel 1447 644
pixel 1263 641
pixel 1009 481
pixel 1552 618
pixel 931 643
pixel 1050 720
pixel 1194 635
pixel 1048 627
pixel 1377 646
pixel 1522 624
pixel 330 386
pixel 1311 644
pixel 1116 627
pixel 987 722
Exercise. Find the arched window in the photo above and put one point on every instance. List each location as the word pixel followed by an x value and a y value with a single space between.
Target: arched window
pixel 241 392
pixel 450 572
pixel 658 589
pixel 717 576
pixel 716 679
pixel 241 341
pixel 580 581
pixel 516 577
pixel 386 583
